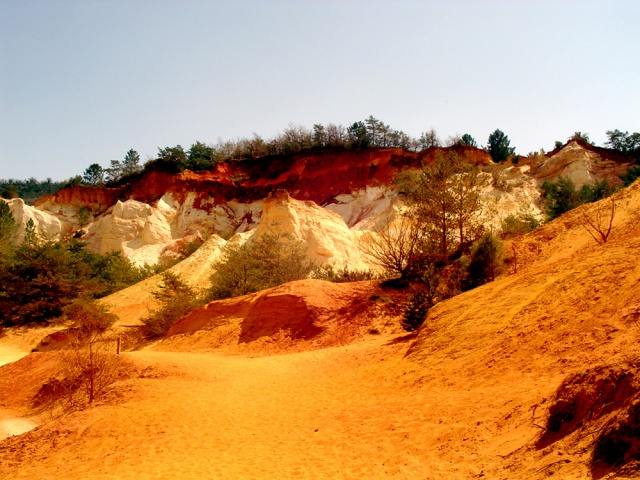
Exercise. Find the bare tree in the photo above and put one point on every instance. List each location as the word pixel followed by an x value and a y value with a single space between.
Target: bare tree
pixel 596 223
pixel 398 247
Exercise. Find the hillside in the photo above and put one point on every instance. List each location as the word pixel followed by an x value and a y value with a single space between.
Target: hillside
pixel 524 377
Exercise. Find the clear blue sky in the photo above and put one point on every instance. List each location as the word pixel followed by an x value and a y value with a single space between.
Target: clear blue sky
pixel 84 81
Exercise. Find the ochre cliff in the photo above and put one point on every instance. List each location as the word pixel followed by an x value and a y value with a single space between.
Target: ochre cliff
pixel 143 218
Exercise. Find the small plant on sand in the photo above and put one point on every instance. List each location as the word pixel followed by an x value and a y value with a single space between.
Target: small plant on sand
pixel 599 220
pixel 90 364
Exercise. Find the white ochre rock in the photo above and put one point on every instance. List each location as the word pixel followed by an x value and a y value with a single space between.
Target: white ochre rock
pixel 326 236
pixel 48 226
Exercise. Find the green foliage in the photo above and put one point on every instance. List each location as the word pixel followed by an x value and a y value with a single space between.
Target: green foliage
pixel 88 317
pixel 40 278
pixel 519 223
pixel 172 155
pixel 581 136
pixel 176 300
pixel 8 229
pixel 445 199
pixel 632 174
pixel 131 163
pixel 498 146
pixel 9 192
pixel 200 157
pixel 358 135
pixel 437 283
pixel 429 139
pixel 469 140
pixel 344 275
pixel 93 175
pixel 593 193
pixel 83 216
pixel 485 262
pixel 269 261
pixel 563 195
pixel 29 190
pixel 623 142
pixel 415 311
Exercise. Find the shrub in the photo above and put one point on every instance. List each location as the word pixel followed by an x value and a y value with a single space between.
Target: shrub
pixel 518 223
pixel 177 299
pixel 632 173
pixel 415 311
pixel 563 195
pixel 344 275
pixel 485 261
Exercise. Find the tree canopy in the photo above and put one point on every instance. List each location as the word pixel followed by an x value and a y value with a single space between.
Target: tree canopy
pixel 498 146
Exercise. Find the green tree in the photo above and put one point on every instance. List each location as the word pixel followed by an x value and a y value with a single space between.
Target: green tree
pixel 131 163
pixel 581 136
pixel 632 174
pixel 176 300
pixel 429 139
pixel 319 135
pixel 415 311
pixel 375 129
pixel 265 262
pixel 561 196
pixel 200 157
pixel 498 146
pixel 466 187
pixel 431 203
pixel 9 192
pixel 358 136
pixel 93 175
pixel 173 156
pixel 623 142
pixel 519 223
pixel 445 198
pixel 40 278
pixel 469 140
pixel 114 172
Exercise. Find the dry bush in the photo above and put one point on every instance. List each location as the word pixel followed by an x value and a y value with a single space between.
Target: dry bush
pixel 397 247
pixel 598 221
pixel 90 367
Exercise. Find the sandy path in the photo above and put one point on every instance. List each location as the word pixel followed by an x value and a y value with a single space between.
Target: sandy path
pixel 345 412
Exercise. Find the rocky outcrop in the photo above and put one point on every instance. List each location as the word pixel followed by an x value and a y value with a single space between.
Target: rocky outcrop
pixel 48 226
pixel 326 236
pixel 583 164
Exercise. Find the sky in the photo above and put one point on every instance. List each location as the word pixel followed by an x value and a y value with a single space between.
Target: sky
pixel 82 82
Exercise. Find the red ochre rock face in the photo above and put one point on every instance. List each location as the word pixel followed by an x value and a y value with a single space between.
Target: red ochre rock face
pixel 316 176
